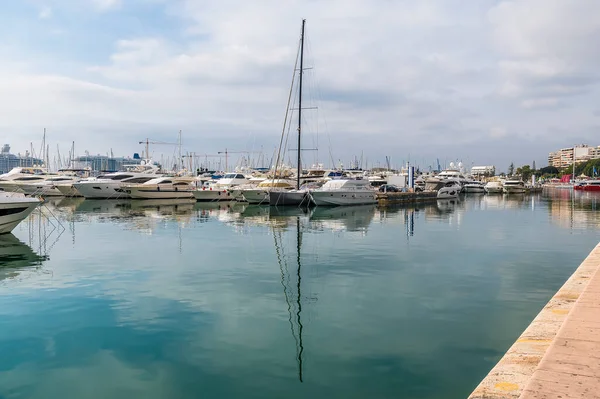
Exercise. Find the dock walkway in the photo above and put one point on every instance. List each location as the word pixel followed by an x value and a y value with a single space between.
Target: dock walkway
pixel 558 355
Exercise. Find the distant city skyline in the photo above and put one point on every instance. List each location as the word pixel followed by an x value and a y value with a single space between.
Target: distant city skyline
pixel 488 82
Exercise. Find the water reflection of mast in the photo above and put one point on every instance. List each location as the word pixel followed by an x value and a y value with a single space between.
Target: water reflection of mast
pixel 285 281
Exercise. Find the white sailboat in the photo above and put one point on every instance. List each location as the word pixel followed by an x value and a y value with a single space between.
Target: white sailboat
pixel 297 196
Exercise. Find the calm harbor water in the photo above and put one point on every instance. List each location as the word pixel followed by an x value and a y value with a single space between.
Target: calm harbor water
pixel 126 299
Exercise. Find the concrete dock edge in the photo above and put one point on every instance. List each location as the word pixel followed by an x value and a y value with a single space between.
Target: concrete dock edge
pixel 568 313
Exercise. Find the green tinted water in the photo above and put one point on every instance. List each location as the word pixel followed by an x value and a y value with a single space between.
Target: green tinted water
pixel 127 299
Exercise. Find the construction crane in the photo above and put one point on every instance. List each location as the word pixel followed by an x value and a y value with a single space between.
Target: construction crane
pixel 148 142
pixel 195 156
pixel 227 152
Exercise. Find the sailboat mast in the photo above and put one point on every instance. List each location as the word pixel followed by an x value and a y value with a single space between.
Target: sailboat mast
pixel 300 103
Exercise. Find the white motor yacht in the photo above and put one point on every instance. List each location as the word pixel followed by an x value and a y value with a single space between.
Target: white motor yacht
pixel 260 193
pixel 110 186
pixel 220 190
pixel 344 192
pixel 514 187
pixel 48 187
pixel 494 187
pixel 11 181
pixel 474 186
pixel 162 188
pixel 435 183
pixel 14 207
pixel 451 189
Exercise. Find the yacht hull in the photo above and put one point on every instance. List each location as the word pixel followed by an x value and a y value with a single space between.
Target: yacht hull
pixel 68 190
pixel 9 187
pixel 12 212
pixel 208 195
pixel 471 189
pixel 256 196
pixel 101 190
pixel 340 197
pixel 494 190
pixel 288 198
pixel 44 190
pixel 514 190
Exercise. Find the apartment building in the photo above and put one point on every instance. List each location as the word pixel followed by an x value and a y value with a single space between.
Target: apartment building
pixel 565 156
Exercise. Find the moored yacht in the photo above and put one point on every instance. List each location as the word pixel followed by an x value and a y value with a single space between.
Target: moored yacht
pixel 48 187
pixel 473 186
pixel 344 192
pixel 110 186
pixel 12 180
pixel 260 193
pixel 220 190
pixel 514 186
pixel 162 188
pixel 494 187
pixel 14 207
pixel 589 185
pixel 451 189
pixel 435 183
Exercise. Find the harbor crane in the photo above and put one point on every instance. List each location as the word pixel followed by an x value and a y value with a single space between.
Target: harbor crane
pixel 227 152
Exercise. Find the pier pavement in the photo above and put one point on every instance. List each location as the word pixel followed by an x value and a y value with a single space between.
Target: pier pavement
pixel 558 355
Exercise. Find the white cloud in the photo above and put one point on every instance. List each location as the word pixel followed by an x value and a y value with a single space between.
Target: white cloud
pixel 45 13
pixel 391 75
pixel 104 5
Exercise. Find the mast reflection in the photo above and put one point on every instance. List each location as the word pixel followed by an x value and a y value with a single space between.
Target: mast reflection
pixel 286 283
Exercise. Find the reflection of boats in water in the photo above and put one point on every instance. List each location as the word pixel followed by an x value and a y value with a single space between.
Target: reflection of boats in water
pixel 114 206
pixel 15 255
pixel 181 204
pixel 350 218
pixel 292 289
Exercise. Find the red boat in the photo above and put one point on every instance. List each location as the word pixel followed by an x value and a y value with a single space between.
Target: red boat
pixel 590 185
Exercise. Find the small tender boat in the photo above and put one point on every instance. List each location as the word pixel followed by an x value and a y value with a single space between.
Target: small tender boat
pixel 14 207
pixel 451 189
pixel 514 187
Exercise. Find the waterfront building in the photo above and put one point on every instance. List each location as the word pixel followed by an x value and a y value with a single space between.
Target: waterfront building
pixel 105 163
pixel 579 153
pixel 9 161
pixel 483 171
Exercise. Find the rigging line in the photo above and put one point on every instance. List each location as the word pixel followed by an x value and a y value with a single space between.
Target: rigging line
pixel 287 108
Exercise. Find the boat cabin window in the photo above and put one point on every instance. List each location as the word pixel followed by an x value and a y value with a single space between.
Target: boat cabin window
pixel 229 176
pixel 165 182
pixel 29 178
pixel 449 184
pixel 181 183
pixel 136 180
pixel 121 177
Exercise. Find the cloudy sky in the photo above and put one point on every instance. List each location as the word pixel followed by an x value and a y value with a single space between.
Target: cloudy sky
pixel 486 82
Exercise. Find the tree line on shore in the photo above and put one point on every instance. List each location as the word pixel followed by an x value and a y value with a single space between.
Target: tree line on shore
pixel 589 168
